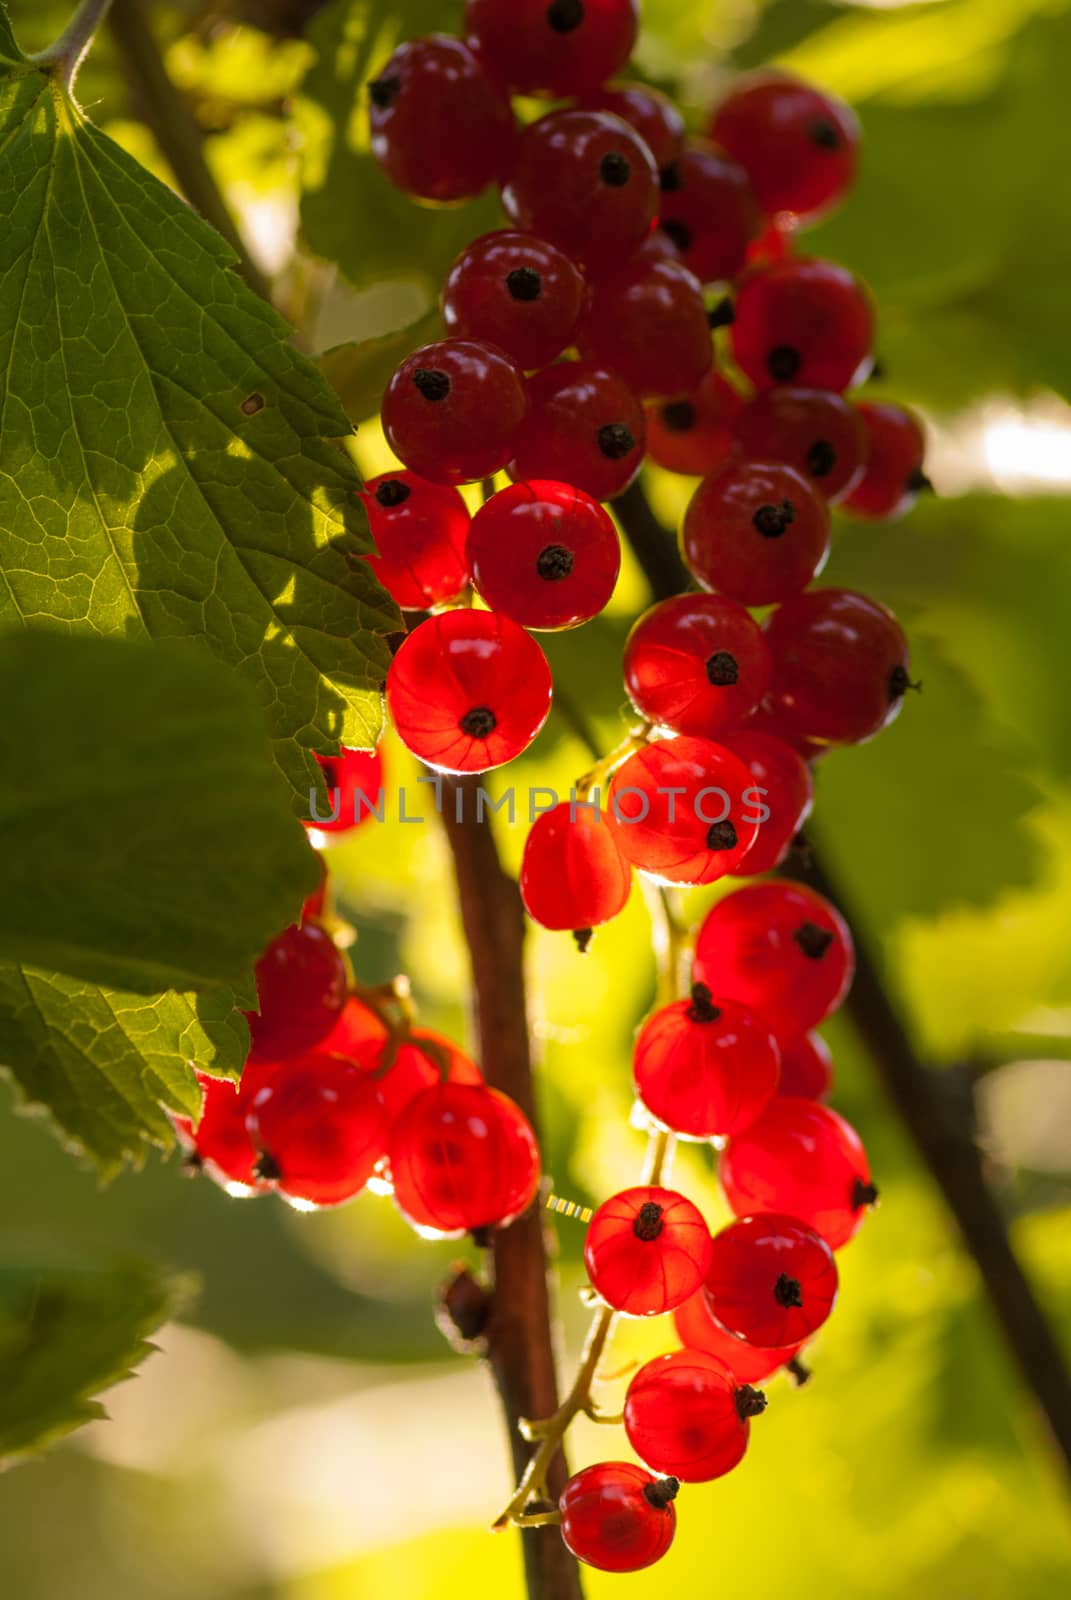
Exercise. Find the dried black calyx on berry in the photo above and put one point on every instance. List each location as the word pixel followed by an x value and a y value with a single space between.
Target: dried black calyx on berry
pixel 524 283
pixel 565 15
pixel 676 231
pixel 678 416
pixel 813 940
pixel 783 363
pixel 382 91
pixel 661 1493
pixel 787 1292
pixel 723 669
pixel 863 1194
pixel 615 169
pixel 433 384
pixel 266 1168
pixel 555 561
pixel 393 492
pixel 900 683
pixel 749 1402
pixel 615 441
pixel 771 521
pixel 702 1008
pixel 670 179
pixel 825 134
pixel 821 458
pixel 463 1309
pixel 723 315
pixel 918 483
pixel 798 1371
pixel 478 722
pixel 582 937
pixel 721 836
pixel 648 1224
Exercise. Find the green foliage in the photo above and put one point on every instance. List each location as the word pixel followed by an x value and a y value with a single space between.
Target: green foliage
pixel 360 370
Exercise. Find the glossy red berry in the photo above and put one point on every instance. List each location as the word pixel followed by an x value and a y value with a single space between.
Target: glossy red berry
pixel 696 663
pixel 781 949
pixel 893 477
pixel 755 531
pixel 771 1281
pixel 584 427
pixel 442 128
pixel 647 1249
pixel 803 321
pixel 616 1516
pixel 708 210
pixel 319 1128
pixel 452 409
pixel 840 666
pixel 219 1139
pixel 358 1034
pixel 799 146
pixel 693 432
pixel 353 781
pixel 561 48
pixel 705 1067
pixel 783 779
pixel 682 810
pixel 468 690
pixel 419 529
pixel 544 553
pixel 573 874
pixel 803 1159
pixel 648 321
pixel 806 1068
pixel 686 1414
pixel 422 1059
pixel 653 114
pixel 515 291
pixel 462 1157
pixel 587 182
pixel 698 1329
pixel 813 431
pixel 301 987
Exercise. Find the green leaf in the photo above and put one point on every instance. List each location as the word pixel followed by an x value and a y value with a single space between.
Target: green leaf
pixel 359 371
pixel 66 1334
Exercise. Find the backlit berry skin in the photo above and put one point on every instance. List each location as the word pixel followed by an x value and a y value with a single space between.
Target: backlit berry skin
pixel 707 208
pixel 584 427
pixel 682 810
pixel 755 531
pixel 219 1140
pixel 419 529
pixel 686 1414
pixel 802 1159
pixel 617 1517
pixel 798 145
pixel 653 115
pixel 813 431
pixel 515 291
pixel 648 321
pixel 442 128
pixel 893 477
pixel 696 663
pixel 422 1059
pixel 784 780
pixel 698 1329
pixel 357 775
pixel 804 321
pixel 587 182
pixel 319 1127
pixel 301 987
pixel 771 1281
pixel 358 1034
pixel 840 666
pixel 462 1157
pixel 544 553
pixel 692 433
pixel 779 948
pixel 562 48
pixel 705 1068
pixel 806 1068
pixel 647 1249
pixel 452 409
pixel 468 691
pixel 573 874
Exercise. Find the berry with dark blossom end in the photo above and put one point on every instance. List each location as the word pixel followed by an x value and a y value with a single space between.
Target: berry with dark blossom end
pixel 462 1158
pixel 705 1067
pixel 698 1329
pixel 893 477
pixel 452 410
pixel 647 1249
pixel 617 1517
pixel 783 780
pixel 681 811
pixel 708 210
pixel 301 987
pixel 806 1068
pixel 686 1414
pixel 419 529
pixel 319 1127
pixel 553 47
pixel 584 427
pixel 573 875
pixel 647 320
pixel 755 531
pixel 651 113
pixel 798 144
pixel 355 778
pixel 803 1159
pixel 803 321
pixel 696 663
pixel 544 553
pixel 691 433
pixel 771 1280
pixel 219 1140
pixel 813 431
pixel 517 292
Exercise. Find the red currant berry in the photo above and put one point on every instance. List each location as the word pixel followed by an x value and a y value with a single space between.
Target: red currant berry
pixel 421 1060
pixel 585 181
pixel 301 987
pixel 648 321
pixel 802 1159
pixel 442 129
pixel 353 778
pixel 319 1126
pixel 755 531
pixel 653 115
pixel 771 1280
pixel 806 1068
pixel 419 529
pixel 698 1329
pixel 358 1034
pixel 764 719
pixel 708 210
pixel 544 553
pixel 893 477
pixel 584 427
pixel 682 810
pixel 517 292
pixel 799 146
pixel 647 1249
pixel 573 874
pixel 781 949
pixel 783 779
pixel 561 48
pixel 840 666
pixel 452 409
pixel 696 663
pixel 816 433
pixel 774 243
pixel 468 690
pixel 705 1068
pixel 693 432
pixel 617 1517
pixel 462 1157
pixel 803 321
pixel 686 1414
pixel 219 1140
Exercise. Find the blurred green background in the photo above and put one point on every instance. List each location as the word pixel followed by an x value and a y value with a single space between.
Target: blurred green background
pixel 305 1434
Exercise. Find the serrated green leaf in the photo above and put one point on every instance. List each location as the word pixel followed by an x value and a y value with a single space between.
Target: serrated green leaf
pixel 359 371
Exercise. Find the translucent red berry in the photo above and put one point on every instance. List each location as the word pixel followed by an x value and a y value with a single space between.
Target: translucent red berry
pixel 698 1329
pixel 319 1127
pixel 515 291
pixel 422 1059
pixel 419 529
pixel 353 781
pixel 462 1157
pixel 708 209
pixel 799 146
pixel 693 432
pixel 696 663
pixel 803 321
pixel 653 114
pixel 686 1414
pixel 648 321
pixel 573 874
pixel 558 48
pixel 584 427
pixel 683 811
pixel 771 1281
pixel 781 949
pixel 813 431
pixel 219 1139
pixel 468 690
pixel 452 409
pixel 301 987
pixel 755 531
pixel 544 553
pixel 616 1516
pixel 806 1068
pixel 803 1159
pixel 783 779
pixel 442 128
pixel 705 1067
pixel 358 1034
pixel 647 1249
pixel 893 477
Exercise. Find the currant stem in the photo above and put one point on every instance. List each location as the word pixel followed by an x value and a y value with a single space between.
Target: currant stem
pixel 596 776
pixel 65 55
